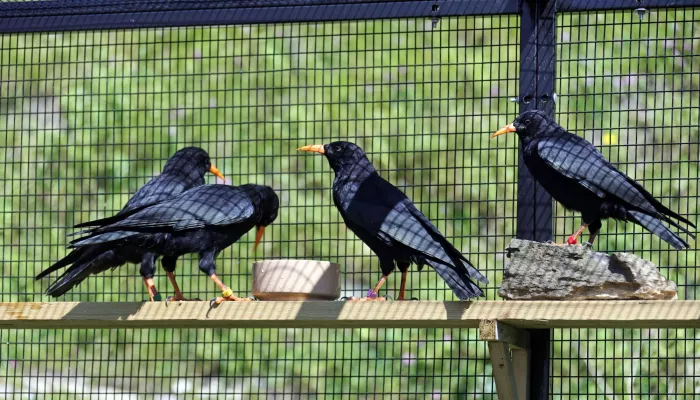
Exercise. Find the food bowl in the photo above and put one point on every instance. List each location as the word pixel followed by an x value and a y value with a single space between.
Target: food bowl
pixel 296 280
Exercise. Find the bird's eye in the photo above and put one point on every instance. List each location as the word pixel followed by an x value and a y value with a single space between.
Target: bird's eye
pixel 527 122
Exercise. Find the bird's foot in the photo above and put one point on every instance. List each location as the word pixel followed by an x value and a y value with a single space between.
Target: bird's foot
pixel 588 244
pixel 213 303
pixel 371 296
pixel 179 297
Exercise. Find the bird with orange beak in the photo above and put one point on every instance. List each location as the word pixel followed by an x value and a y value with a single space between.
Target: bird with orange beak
pixel 577 175
pixel 183 171
pixel 391 225
pixel 204 220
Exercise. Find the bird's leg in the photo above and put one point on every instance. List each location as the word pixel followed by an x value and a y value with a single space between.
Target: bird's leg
pixel 169 267
pixel 593 229
pixel 152 291
pixel 207 265
pixel 572 238
pixel 589 243
pixel 402 291
pixel 226 292
pixel 373 294
pixel 148 269
pixel 178 294
pixel 403 267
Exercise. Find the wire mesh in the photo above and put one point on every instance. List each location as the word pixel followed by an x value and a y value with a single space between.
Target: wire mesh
pixel 91 116
pixel 630 85
pixel 88 117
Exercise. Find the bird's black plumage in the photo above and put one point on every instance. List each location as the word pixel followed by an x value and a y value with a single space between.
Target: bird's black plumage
pixel 202 220
pixel 390 224
pixel 577 175
pixel 183 171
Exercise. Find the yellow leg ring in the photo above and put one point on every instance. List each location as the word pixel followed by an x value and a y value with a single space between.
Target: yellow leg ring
pixel 227 292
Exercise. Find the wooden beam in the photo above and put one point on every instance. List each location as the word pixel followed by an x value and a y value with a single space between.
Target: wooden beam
pixel 496 331
pixel 503 372
pixel 509 348
pixel 340 314
pixel 521 368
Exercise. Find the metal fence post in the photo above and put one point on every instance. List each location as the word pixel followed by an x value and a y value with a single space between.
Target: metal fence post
pixel 537 55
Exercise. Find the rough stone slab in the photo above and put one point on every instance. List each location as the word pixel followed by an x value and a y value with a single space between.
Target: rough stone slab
pixel 542 271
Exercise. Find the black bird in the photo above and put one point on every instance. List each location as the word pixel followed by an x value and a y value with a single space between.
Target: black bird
pixel 574 172
pixel 390 224
pixel 183 171
pixel 202 220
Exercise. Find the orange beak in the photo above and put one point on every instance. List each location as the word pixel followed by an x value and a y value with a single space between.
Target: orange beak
pixel 504 130
pixel 316 148
pixel 216 172
pixel 258 236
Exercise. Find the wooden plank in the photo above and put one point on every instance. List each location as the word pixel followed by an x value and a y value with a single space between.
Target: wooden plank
pixel 503 372
pixel 521 369
pixel 339 314
pixel 497 331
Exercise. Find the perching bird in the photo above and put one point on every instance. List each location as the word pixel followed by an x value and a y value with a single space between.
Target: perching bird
pixel 573 171
pixel 202 220
pixel 183 171
pixel 388 222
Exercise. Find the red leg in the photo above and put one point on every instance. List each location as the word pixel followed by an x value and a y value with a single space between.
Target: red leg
pixel 572 238
pixel 178 294
pixel 373 294
pixel 152 291
pixel 402 291
pixel 226 292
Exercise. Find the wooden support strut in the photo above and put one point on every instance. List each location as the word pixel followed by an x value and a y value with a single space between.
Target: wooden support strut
pixel 509 348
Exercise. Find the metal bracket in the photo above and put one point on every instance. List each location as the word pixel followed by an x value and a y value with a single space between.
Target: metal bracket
pixel 509 348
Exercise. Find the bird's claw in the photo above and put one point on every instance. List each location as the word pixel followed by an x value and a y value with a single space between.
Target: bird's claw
pixel 179 298
pixel 375 297
pixel 588 244
pixel 213 303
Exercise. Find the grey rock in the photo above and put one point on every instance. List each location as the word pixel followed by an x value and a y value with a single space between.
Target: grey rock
pixel 542 271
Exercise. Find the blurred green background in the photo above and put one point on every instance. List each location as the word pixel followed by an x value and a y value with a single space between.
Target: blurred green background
pixel 88 117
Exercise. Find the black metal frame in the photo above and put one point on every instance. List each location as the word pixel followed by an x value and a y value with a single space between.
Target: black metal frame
pixel 537 68
pixel 66 15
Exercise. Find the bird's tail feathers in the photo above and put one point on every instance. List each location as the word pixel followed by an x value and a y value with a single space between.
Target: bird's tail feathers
pixel 473 272
pixel 667 212
pixel 457 279
pixel 79 271
pixel 676 225
pixel 101 238
pixel 65 261
pixel 655 226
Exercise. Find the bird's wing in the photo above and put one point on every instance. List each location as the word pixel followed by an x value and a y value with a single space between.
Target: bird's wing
pixel 212 205
pixel 577 159
pixel 160 188
pixel 382 209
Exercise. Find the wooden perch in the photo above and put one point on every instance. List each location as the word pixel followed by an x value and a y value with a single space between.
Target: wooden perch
pixel 343 314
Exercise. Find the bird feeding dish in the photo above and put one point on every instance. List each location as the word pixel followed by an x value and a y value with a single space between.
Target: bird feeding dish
pixel 296 280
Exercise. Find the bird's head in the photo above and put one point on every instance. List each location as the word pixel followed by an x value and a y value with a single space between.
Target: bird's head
pixel 269 205
pixel 342 156
pixel 528 125
pixel 192 162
